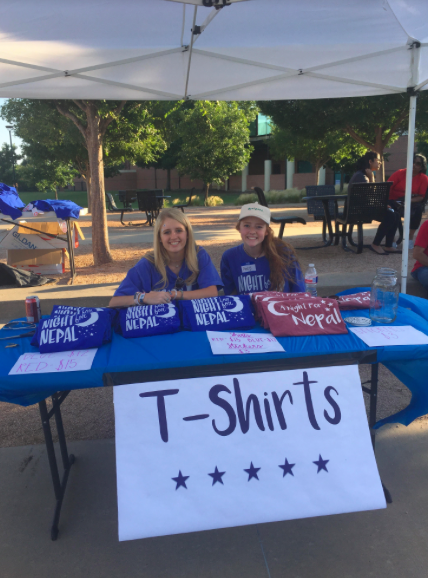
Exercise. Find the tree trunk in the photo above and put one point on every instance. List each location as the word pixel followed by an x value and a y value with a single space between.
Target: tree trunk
pixel 87 177
pixel 56 194
pixel 342 180
pixel 156 181
pixel 94 143
pixel 207 188
pixel 318 165
pixel 168 179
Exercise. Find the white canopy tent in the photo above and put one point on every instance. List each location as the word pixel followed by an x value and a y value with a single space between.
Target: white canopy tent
pixel 240 50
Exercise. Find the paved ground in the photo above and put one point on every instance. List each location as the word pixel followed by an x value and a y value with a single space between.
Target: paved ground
pixel 389 543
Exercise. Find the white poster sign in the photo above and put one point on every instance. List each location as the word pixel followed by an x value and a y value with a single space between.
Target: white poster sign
pixel 227 451
pixel 58 362
pixel 223 343
pixel 382 335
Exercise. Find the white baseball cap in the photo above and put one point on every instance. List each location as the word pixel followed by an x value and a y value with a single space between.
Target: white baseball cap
pixel 255 210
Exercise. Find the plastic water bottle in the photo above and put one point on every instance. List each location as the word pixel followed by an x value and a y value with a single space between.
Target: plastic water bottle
pixel 311 280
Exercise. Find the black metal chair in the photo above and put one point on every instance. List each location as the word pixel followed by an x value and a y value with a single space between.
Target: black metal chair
pixel 189 200
pixel 113 208
pixel 282 219
pixel 127 198
pixel 316 209
pixel 148 202
pixel 366 202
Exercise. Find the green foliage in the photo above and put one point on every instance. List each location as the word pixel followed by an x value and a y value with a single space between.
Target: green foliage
pixel 245 199
pixel 214 201
pixel 215 141
pixel 339 192
pixel 273 197
pixel 374 122
pixel 7 155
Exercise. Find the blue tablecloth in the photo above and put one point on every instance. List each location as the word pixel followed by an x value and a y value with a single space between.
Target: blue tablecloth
pixel 408 363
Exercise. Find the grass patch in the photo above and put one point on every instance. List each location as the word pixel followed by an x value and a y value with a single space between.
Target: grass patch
pixel 273 197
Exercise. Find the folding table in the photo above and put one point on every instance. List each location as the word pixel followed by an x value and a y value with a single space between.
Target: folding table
pixel 188 355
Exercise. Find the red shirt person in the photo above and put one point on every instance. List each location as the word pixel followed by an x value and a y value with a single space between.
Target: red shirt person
pixel 419 189
pixel 420 253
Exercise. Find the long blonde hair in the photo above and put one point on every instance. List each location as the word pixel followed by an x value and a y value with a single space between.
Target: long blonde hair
pixel 159 256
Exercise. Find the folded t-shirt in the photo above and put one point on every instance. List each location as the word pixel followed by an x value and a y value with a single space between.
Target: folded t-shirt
pixel 145 320
pixel 355 301
pixel 72 328
pixel 314 316
pixel 218 313
pixel 257 298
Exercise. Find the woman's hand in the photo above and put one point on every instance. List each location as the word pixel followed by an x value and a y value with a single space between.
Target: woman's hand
pixel 157 298
pixel 370 175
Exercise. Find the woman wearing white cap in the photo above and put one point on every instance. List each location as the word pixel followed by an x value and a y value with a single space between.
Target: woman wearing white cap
pixel 263 262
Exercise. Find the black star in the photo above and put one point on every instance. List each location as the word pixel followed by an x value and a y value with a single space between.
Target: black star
pixel 181 480
pixel 322 464
pixel 216 476
pixel 287 468
pixel 252 472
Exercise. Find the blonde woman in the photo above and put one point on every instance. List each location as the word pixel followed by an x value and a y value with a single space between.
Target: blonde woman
pixel 175 269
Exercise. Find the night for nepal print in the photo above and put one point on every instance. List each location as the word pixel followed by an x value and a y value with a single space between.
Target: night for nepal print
pixel 218 313
pixel 303 317
pixel 73 328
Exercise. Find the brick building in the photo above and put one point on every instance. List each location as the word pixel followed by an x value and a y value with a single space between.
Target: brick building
pixel 261 171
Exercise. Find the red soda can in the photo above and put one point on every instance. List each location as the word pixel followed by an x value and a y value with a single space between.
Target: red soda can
pixel 32 309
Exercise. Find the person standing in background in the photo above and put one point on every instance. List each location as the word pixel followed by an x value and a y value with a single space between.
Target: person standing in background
pixel 419 189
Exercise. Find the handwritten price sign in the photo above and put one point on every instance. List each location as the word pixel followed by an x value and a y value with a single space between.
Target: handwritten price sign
pixel 380 336
pixel 241 343
pixel 54 362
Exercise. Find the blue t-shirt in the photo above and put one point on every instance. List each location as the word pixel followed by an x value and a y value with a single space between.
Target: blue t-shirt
pixel 72 328
pixel 145 277
pixel 63 209
pixel 241 273
pixel 218 313
pixel 146 320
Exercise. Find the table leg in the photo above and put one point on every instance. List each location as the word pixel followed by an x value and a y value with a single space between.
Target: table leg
pixel 70 243
pixel 67 459
pixel 326 223
pixel 374 378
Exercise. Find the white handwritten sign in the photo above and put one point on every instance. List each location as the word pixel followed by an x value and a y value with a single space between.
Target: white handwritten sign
pixel 222 451
pixel 237 343
pixel 379 336
pixel 54 362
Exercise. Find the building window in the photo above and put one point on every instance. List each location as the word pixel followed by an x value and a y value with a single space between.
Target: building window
pixel 304 167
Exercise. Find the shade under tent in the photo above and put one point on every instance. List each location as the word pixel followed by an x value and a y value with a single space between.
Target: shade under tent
pixel 238 50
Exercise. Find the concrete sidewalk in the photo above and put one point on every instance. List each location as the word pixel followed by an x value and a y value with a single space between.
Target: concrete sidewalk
pixel 385 543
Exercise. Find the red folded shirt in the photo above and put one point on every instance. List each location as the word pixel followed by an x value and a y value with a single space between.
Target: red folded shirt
pixel 257 298
pixel 355 301
pixel 314 316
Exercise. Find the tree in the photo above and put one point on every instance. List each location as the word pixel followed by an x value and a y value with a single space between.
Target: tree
pixel 332 149
pixel 7 155
pixel 374 122
pixel 85 133
pixel 215 141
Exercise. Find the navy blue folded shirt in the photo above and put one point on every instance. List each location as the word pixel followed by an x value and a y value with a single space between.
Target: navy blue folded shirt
pixel 72 328
pixel 218 313
pixel 146 320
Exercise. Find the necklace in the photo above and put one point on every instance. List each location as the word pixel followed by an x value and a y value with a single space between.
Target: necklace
pixel 252 257
pixel 176 266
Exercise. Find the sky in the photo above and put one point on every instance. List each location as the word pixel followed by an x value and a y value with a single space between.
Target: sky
pixel 4 133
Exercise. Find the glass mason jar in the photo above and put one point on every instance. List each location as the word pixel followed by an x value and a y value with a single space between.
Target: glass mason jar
pixel 384 296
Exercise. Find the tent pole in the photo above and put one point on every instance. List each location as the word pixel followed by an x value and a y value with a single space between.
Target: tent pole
pixel 408 194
